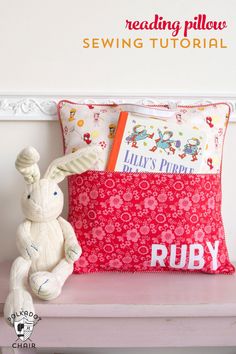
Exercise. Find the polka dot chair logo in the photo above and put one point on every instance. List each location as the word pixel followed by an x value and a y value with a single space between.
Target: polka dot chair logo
pixel 24 323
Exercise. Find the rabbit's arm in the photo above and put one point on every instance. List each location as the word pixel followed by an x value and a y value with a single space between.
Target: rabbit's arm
pixel 27 248
pixel 72 248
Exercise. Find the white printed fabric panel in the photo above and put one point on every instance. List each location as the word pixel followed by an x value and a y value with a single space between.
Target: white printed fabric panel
pixel 92 124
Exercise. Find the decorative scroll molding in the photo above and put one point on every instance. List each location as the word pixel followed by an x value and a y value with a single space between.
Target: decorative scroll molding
pixel 27 108
pixel 44 107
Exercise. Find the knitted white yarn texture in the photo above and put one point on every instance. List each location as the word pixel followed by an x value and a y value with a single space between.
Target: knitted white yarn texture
pixel 46 242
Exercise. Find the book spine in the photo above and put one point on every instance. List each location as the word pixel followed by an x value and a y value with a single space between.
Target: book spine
pixel 117 141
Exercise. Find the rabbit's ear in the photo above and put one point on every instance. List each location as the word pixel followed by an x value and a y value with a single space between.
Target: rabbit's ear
pixel 26 164
pixel 77 162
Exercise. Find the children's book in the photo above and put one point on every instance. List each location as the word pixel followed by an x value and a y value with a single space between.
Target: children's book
pixel 148 144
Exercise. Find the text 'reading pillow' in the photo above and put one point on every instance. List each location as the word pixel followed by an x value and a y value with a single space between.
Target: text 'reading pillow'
pixel 155 221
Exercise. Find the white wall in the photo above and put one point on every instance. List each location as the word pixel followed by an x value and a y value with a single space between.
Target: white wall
pixel 46 137
pixel 41 48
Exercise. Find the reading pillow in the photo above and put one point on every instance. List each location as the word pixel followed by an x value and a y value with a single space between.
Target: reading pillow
pixel 150 222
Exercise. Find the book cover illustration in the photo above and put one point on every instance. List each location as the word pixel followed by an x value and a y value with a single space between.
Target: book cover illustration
pixel 147 144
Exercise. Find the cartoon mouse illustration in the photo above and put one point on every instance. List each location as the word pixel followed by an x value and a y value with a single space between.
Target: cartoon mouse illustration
pixel 139 133
pixel 191 148
pixel 164 142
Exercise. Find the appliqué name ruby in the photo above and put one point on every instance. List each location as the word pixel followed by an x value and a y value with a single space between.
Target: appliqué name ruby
pixel 190 257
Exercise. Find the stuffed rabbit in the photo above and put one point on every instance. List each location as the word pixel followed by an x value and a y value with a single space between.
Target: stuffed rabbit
pixel 46 242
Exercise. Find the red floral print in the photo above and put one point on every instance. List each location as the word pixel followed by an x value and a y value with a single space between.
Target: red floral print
pixel 148 222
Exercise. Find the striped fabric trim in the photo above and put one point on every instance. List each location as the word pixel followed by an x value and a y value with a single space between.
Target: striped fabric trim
pixel 77 162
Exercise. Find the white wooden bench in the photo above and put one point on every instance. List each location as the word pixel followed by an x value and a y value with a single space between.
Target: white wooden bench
pixel 132 310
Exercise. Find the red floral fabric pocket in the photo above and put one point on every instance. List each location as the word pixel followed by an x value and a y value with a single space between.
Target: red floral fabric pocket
pixel 148 222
